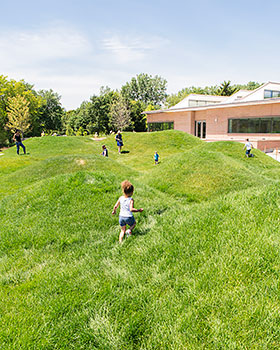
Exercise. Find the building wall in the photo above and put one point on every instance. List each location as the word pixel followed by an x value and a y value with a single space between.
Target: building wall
pixel 217 119
pixel 217 122
pixel 182 120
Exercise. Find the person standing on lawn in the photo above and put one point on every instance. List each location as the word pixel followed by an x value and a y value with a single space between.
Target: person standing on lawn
pixel 156 157
pixel 119 140
pixel 17 139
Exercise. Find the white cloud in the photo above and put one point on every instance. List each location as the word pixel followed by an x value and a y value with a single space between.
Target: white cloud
pixel 34 47
pixel 127 49
pixel 50 58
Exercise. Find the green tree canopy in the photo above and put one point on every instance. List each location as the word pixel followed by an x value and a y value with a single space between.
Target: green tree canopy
pixel 51 110
pixel 119 114
pixel 18 114
pixel 145 88
pixel 225 89
pixel 12 88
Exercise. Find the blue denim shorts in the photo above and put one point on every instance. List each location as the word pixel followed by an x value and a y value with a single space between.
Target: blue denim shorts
pixel 123 220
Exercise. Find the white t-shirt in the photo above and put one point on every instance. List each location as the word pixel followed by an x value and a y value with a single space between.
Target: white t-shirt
pixel 248 145
pixel 125 206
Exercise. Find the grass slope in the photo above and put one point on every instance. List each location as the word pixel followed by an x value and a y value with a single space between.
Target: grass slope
pixel 201 275
pixel 209 170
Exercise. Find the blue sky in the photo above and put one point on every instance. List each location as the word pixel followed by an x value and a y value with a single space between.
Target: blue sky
pixel 75 47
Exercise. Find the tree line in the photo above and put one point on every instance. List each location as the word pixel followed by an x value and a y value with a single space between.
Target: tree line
pixel 34 112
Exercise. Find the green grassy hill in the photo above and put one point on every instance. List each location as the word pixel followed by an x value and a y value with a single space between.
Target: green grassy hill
pixel 200 272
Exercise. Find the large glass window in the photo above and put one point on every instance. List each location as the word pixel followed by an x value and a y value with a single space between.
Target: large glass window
pixel 271 93
pixel 275 125
pixel 160 126
pixel 254 125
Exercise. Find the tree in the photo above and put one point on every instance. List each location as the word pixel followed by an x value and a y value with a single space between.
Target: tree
pixel 173 99
pixel 51 111
pixel 12 88
pixel 138 120
pixel 225 89
pixel 120 114
pixel 252 85
pixel 18 114
pixel 145 88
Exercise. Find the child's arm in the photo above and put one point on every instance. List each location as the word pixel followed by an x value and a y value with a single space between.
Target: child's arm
pixel 116 207
pixel 134 210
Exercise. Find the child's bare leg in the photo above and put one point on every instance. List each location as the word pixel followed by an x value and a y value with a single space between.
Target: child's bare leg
pixel 132 227
pixel 122 233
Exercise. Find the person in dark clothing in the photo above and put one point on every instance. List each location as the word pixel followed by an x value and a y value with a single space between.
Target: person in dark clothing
pixel 104 151
pixel 119 140
pixel 17 139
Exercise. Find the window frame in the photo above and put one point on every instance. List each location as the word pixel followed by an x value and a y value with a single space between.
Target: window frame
pixel 271 93
pixel 168 125
pixel 238 125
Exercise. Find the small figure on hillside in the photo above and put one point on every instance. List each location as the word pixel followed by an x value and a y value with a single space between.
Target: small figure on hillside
pixel 127 209
pixel 156 157
pixel 17 139
pixel 248 147
pixel 42 133
pixel 119 140
pixel 104 151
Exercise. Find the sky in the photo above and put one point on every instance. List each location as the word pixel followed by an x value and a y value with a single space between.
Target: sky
pixel 76 47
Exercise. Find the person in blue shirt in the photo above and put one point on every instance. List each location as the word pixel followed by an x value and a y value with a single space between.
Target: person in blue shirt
pixel 156 157
pixel 126 204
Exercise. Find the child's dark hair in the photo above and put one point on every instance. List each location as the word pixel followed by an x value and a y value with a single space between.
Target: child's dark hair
pixel 127 187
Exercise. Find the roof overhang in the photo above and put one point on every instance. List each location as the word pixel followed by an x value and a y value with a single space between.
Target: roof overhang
pixel 216 106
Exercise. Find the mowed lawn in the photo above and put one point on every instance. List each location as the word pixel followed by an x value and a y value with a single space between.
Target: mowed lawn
pixel 201 270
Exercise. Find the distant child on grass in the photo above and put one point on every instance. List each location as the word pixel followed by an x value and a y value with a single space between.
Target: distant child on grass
pixel 127 208
pixel 104 151
pixel 156 157
pixel 248 147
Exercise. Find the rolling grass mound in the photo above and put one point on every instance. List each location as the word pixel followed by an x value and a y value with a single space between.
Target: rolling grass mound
pixel 200 275
pixel 210 170
pixel 140 147
pixel 53 166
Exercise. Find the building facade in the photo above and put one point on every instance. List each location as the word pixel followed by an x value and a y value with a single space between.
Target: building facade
pixel 246 114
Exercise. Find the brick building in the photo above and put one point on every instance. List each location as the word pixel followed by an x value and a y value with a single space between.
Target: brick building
pixel 251 114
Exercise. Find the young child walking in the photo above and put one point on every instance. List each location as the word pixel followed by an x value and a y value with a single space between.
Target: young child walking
pixel 156 157
pixel 127 209
pixel 248 147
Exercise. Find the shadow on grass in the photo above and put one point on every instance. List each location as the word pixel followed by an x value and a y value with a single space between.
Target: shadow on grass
pixel 123 152
pixel 140 232
pixel 160 211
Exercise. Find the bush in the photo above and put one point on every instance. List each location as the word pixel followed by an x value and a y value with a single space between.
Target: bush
pixel 69 131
